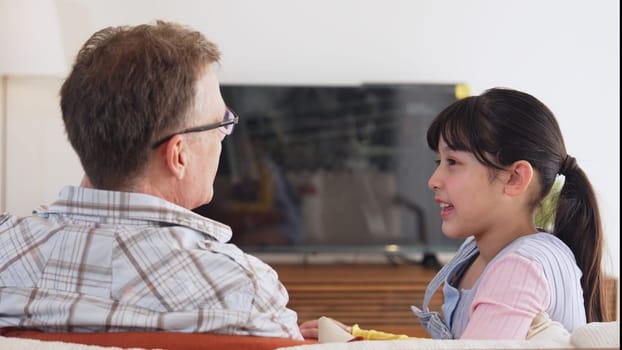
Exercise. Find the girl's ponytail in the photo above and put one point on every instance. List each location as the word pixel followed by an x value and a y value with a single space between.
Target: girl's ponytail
pixel 577 223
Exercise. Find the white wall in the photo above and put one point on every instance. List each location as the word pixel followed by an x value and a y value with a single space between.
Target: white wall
pixel 39 158
pixel 565 52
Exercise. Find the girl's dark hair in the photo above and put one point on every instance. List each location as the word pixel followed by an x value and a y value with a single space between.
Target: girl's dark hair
pixel 502 126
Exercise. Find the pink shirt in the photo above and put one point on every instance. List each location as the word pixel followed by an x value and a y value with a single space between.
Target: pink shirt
pixel 511 293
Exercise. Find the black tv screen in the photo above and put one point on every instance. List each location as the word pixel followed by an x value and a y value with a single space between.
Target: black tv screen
pixel 331 168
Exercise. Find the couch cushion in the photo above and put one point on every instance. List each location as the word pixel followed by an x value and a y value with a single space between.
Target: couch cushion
pixel 10 343
pixel 597 335
pixel 429 344
pixel 162 340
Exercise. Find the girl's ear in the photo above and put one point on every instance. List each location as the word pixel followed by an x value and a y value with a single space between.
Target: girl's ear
pixel 521 174
pixel 176 156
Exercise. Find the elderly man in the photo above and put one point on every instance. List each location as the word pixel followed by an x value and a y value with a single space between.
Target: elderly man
pixel 143 110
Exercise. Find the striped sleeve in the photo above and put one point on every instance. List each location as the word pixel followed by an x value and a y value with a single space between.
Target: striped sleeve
pixel 511 293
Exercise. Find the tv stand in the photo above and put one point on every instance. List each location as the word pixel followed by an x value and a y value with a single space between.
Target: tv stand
pixel 376 296
pixel 429 260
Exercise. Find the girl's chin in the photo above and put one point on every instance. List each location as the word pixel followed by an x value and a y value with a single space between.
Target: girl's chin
pixel 453 233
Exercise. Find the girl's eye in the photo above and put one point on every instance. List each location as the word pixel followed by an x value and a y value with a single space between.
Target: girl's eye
pixel 449 162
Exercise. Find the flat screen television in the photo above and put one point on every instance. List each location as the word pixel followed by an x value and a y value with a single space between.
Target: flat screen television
pixel 315 169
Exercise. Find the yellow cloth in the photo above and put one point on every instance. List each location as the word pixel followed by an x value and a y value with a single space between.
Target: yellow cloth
pixel 377 335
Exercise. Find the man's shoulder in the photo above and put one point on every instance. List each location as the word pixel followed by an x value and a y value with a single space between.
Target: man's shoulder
pixel 8 221
pixel 5 219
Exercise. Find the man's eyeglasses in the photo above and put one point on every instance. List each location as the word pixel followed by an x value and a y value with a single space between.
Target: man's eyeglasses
pixel 225 126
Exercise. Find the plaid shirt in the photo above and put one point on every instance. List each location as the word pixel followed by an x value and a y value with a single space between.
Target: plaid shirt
pixel 115 261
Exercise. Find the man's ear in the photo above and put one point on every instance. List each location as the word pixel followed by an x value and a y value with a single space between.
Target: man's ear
pixel 521 174
pixel 176 156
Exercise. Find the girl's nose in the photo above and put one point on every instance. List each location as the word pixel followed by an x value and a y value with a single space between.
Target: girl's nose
pixel 433 181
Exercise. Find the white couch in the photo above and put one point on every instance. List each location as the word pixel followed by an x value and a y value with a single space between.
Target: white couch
pixel 604 335
pixel 544 334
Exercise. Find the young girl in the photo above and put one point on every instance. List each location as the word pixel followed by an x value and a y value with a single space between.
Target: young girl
pixel 499 155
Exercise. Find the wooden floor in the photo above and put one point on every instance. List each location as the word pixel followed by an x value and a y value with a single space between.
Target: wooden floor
pixel 375 296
